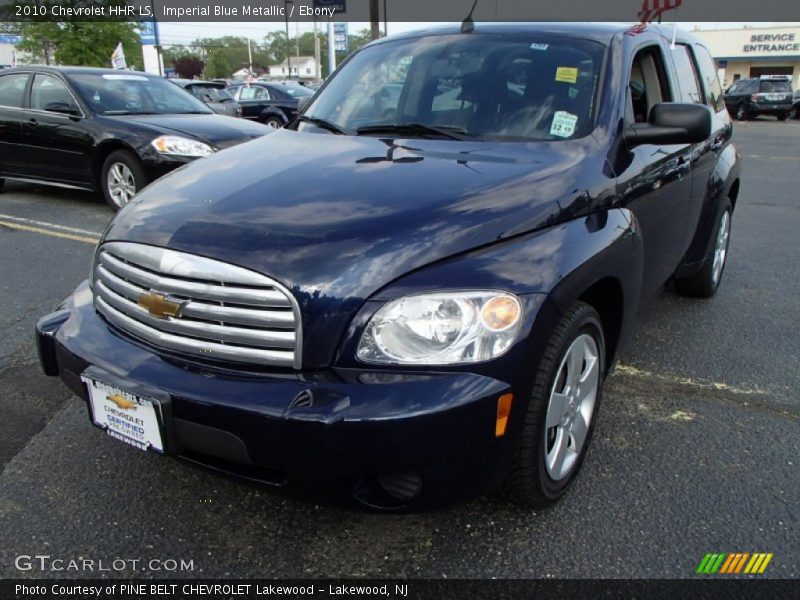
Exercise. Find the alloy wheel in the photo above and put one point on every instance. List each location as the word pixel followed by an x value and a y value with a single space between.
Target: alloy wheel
pixel 721 248
pixel 121 184
pixel 571 406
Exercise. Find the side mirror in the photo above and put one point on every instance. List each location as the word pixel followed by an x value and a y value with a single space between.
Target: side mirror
pixel 63 108
pixel 302 102
pixel 672 123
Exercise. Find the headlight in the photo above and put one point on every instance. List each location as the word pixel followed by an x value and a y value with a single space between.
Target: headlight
pixel 442 329
pixel 180 146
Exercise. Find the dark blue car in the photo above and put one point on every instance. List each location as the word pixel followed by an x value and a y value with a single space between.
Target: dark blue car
pixel 413 293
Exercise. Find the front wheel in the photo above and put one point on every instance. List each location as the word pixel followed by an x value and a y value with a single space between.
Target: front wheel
pixel 793 114
pixel 705 282
pixel 741 113
pixel 783 116
pixel 562 410
pixel 121 178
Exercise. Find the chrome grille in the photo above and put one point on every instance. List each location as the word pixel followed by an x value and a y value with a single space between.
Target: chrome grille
pixel 226 312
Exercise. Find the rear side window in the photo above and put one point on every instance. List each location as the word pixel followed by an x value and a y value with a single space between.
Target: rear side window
pixel 12 89
pixel 687 77
pixel 708 73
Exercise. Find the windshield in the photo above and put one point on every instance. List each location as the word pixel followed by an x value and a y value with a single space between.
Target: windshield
pixel 481 86
pixel 775 86
pixel 134 94
pixel 210 93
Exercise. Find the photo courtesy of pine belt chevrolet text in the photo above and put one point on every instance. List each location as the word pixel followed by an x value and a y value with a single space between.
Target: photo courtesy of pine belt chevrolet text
pixel 413 292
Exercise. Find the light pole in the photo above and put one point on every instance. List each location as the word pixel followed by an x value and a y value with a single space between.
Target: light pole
pixel 286 4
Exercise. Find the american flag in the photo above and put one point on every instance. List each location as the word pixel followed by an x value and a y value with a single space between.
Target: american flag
pixel 652 9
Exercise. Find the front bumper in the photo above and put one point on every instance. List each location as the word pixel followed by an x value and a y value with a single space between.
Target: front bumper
pixel 345 431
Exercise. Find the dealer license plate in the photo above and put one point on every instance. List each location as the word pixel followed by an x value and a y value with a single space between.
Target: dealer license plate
pixel 125 416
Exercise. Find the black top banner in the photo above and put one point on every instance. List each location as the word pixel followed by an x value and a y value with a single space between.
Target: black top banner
pixel 391 10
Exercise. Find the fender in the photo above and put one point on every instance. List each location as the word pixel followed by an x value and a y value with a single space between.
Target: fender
pixel 561 262
pixel 271 111
pixel 723 185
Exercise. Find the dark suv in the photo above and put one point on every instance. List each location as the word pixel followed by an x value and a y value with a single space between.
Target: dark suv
pixel 767 95
pixel 414 292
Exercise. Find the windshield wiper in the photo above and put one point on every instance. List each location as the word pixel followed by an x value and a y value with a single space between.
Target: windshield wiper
pixel 322 123
pixel 454 133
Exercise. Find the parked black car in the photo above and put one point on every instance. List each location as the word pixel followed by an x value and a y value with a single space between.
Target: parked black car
pixel 417 297
pixel 100 129
pixel 766 95
pixel 274 104
pixel 213 94
pixel 794 112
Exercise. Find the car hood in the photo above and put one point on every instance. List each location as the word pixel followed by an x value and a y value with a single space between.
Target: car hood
pixel 218 130
pixel 336 218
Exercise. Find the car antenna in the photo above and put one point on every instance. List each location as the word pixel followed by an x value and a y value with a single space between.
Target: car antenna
pixel 468 25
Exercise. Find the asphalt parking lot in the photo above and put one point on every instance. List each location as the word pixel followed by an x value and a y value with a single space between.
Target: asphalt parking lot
pixel 697 447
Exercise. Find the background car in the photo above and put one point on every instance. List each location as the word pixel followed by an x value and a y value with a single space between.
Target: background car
pixel 794 112
pixel 766 95
pixel 274 104
pixel 106 130
pixel 213 94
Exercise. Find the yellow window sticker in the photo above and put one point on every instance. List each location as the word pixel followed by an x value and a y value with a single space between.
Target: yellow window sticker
pixel 567 74
pixel 563 124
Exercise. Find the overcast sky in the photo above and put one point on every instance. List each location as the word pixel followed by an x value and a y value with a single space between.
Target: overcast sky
pixel 184 33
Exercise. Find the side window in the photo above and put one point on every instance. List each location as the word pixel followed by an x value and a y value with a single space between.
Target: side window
pixel 647 84
pixel 687 77
pixel 12 89
pixel 47 90
pixel 734 89
pixel 708 71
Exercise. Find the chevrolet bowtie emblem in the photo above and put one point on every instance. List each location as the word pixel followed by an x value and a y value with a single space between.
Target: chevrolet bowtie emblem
pixel 122 402
pixel 158 305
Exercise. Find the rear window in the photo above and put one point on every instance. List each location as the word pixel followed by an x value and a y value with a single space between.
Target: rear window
pixel 210 93
pixel 768 87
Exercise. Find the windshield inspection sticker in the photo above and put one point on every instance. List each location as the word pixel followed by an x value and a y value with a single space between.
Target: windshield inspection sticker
pixel 563 124
pixel 567 74
pixel 539 46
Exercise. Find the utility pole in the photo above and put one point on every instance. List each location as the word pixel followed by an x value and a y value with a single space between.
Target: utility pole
pixel 374 19
pixel 331 49
pixel 385 19
pixel 286 4
pixel 317 52
pixel 249 57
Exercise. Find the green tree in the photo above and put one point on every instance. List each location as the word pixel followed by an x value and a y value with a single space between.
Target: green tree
pixel 80 43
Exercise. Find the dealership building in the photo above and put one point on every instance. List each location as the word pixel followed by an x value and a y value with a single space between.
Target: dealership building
pixel 752 52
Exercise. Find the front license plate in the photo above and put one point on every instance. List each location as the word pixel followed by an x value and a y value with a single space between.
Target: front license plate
pixel 125 416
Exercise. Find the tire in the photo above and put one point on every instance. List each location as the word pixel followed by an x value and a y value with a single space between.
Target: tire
pixel 783 116
pixel 537 479
pixel 705 282
pixel 794 113
pixel 121 178
pixel 273 122
pixel 741 113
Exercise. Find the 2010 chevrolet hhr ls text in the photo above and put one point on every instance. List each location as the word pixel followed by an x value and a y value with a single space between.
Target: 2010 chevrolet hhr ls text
pixel 413 292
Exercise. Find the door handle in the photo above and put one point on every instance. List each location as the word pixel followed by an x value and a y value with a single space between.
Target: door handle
pixel 717 144
pixel 33 123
